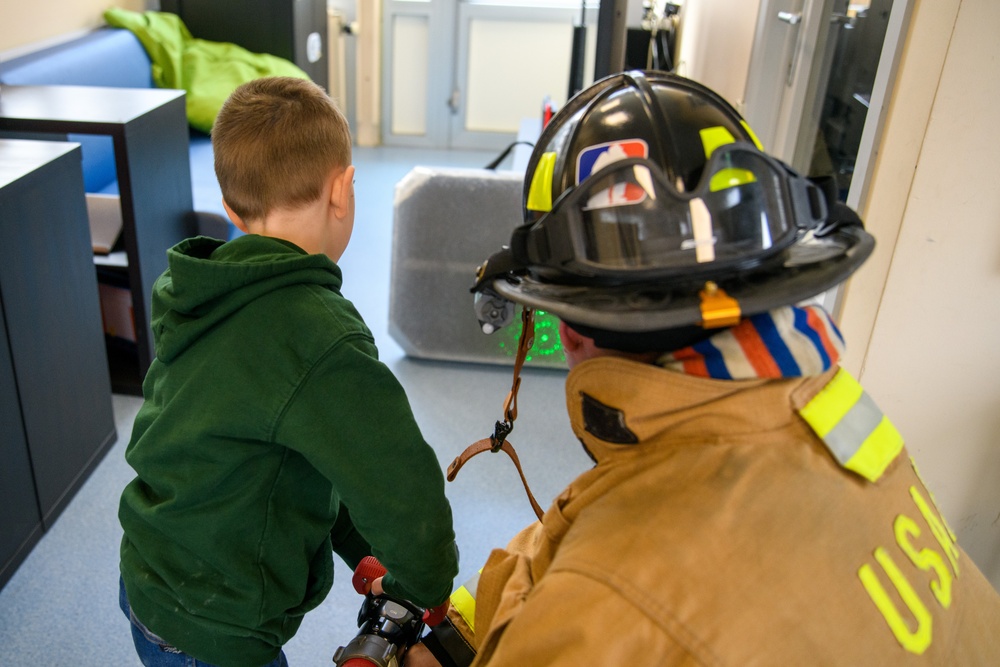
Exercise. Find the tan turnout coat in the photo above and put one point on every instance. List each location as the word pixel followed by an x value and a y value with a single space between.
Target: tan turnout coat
pixel 727 534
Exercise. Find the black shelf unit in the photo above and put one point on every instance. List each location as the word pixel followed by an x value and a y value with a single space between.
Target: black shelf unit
pixel 295 30
pixel 149 130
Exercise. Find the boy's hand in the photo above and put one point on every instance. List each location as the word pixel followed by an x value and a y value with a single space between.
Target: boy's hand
pixel 376 588
pixel 367 572
pixel 420 656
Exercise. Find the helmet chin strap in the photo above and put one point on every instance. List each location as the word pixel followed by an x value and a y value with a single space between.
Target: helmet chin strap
pixel 498 440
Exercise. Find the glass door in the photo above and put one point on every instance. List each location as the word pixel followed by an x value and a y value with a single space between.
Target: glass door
pixel 467 73
pixel 856 39
pixel 818 79
pixel 818 84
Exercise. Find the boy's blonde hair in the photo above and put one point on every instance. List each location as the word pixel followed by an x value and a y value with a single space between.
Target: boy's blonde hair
pixel 276 140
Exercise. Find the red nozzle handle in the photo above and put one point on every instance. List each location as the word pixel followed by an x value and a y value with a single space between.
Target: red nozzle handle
pixel 367 571
pixel 359 662
pixel 435 615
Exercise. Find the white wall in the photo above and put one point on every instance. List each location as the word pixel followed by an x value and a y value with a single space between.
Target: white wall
pixel 721 62
pixel 930 298
pixel 27 23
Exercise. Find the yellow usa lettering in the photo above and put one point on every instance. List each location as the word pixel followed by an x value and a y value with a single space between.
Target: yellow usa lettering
pixel 914 636
pixel 925 559
pixel 940 530
pixel 916 640
pixel 944 523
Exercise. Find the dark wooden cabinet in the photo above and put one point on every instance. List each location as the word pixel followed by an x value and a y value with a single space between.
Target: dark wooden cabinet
pixel 55 390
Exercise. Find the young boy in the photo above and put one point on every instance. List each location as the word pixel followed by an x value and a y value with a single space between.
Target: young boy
pixel 270 432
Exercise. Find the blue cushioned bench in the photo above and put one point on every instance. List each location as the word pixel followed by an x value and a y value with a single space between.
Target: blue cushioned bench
pixel 113 57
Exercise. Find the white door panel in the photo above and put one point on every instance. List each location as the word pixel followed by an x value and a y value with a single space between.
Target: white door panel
pixel 465 73
pixel 418 52
pixel 510 60
pixel 411 40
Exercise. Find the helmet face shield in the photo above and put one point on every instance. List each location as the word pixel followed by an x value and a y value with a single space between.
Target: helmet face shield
pixel 627 221
pixel 645 189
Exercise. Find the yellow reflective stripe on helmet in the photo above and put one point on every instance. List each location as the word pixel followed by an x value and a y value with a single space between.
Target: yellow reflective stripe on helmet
pixel 712 138
pixel 852 427
pixel 753 135
pixel 540 192
pixel 463 600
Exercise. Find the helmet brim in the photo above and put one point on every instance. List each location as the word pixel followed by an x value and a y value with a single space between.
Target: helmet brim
pixel 807 268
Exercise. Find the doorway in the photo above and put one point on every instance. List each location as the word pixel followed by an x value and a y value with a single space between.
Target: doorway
pixel 817 83
pixel 857 37
pixel 465 73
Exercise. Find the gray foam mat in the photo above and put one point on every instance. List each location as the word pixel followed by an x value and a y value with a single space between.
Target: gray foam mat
pixel 447 221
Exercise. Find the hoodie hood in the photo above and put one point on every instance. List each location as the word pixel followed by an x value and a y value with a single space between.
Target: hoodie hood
pixel 207 280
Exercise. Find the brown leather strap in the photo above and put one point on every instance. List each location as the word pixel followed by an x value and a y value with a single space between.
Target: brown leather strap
pixel 523 345
pixel 486 445
pixel 498 441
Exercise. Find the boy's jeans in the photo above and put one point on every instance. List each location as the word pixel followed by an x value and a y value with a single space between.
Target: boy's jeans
pixel 155 652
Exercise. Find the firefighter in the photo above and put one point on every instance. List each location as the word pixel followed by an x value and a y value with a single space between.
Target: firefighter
pixel 749 502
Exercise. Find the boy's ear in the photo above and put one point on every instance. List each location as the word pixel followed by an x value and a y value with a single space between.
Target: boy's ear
pixel 237 220
pixel 342 191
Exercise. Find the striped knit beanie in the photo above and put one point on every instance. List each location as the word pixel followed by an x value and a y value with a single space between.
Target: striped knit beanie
pixel 787 342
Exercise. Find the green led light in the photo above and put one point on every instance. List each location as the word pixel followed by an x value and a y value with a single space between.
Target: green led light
pixel 547 347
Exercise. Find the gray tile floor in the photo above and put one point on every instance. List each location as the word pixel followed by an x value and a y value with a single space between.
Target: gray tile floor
pixel 60 608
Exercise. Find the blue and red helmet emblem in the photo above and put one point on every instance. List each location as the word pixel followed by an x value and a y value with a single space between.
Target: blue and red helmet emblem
pixel 594 158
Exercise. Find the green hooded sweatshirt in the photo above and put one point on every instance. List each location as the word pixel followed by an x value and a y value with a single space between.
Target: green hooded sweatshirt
pixel 270 435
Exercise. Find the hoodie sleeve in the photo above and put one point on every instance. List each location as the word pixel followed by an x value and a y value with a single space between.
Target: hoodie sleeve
pixel 347 541
pixel 351 419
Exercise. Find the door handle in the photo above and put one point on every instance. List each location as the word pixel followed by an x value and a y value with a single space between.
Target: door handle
pixel 793 19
